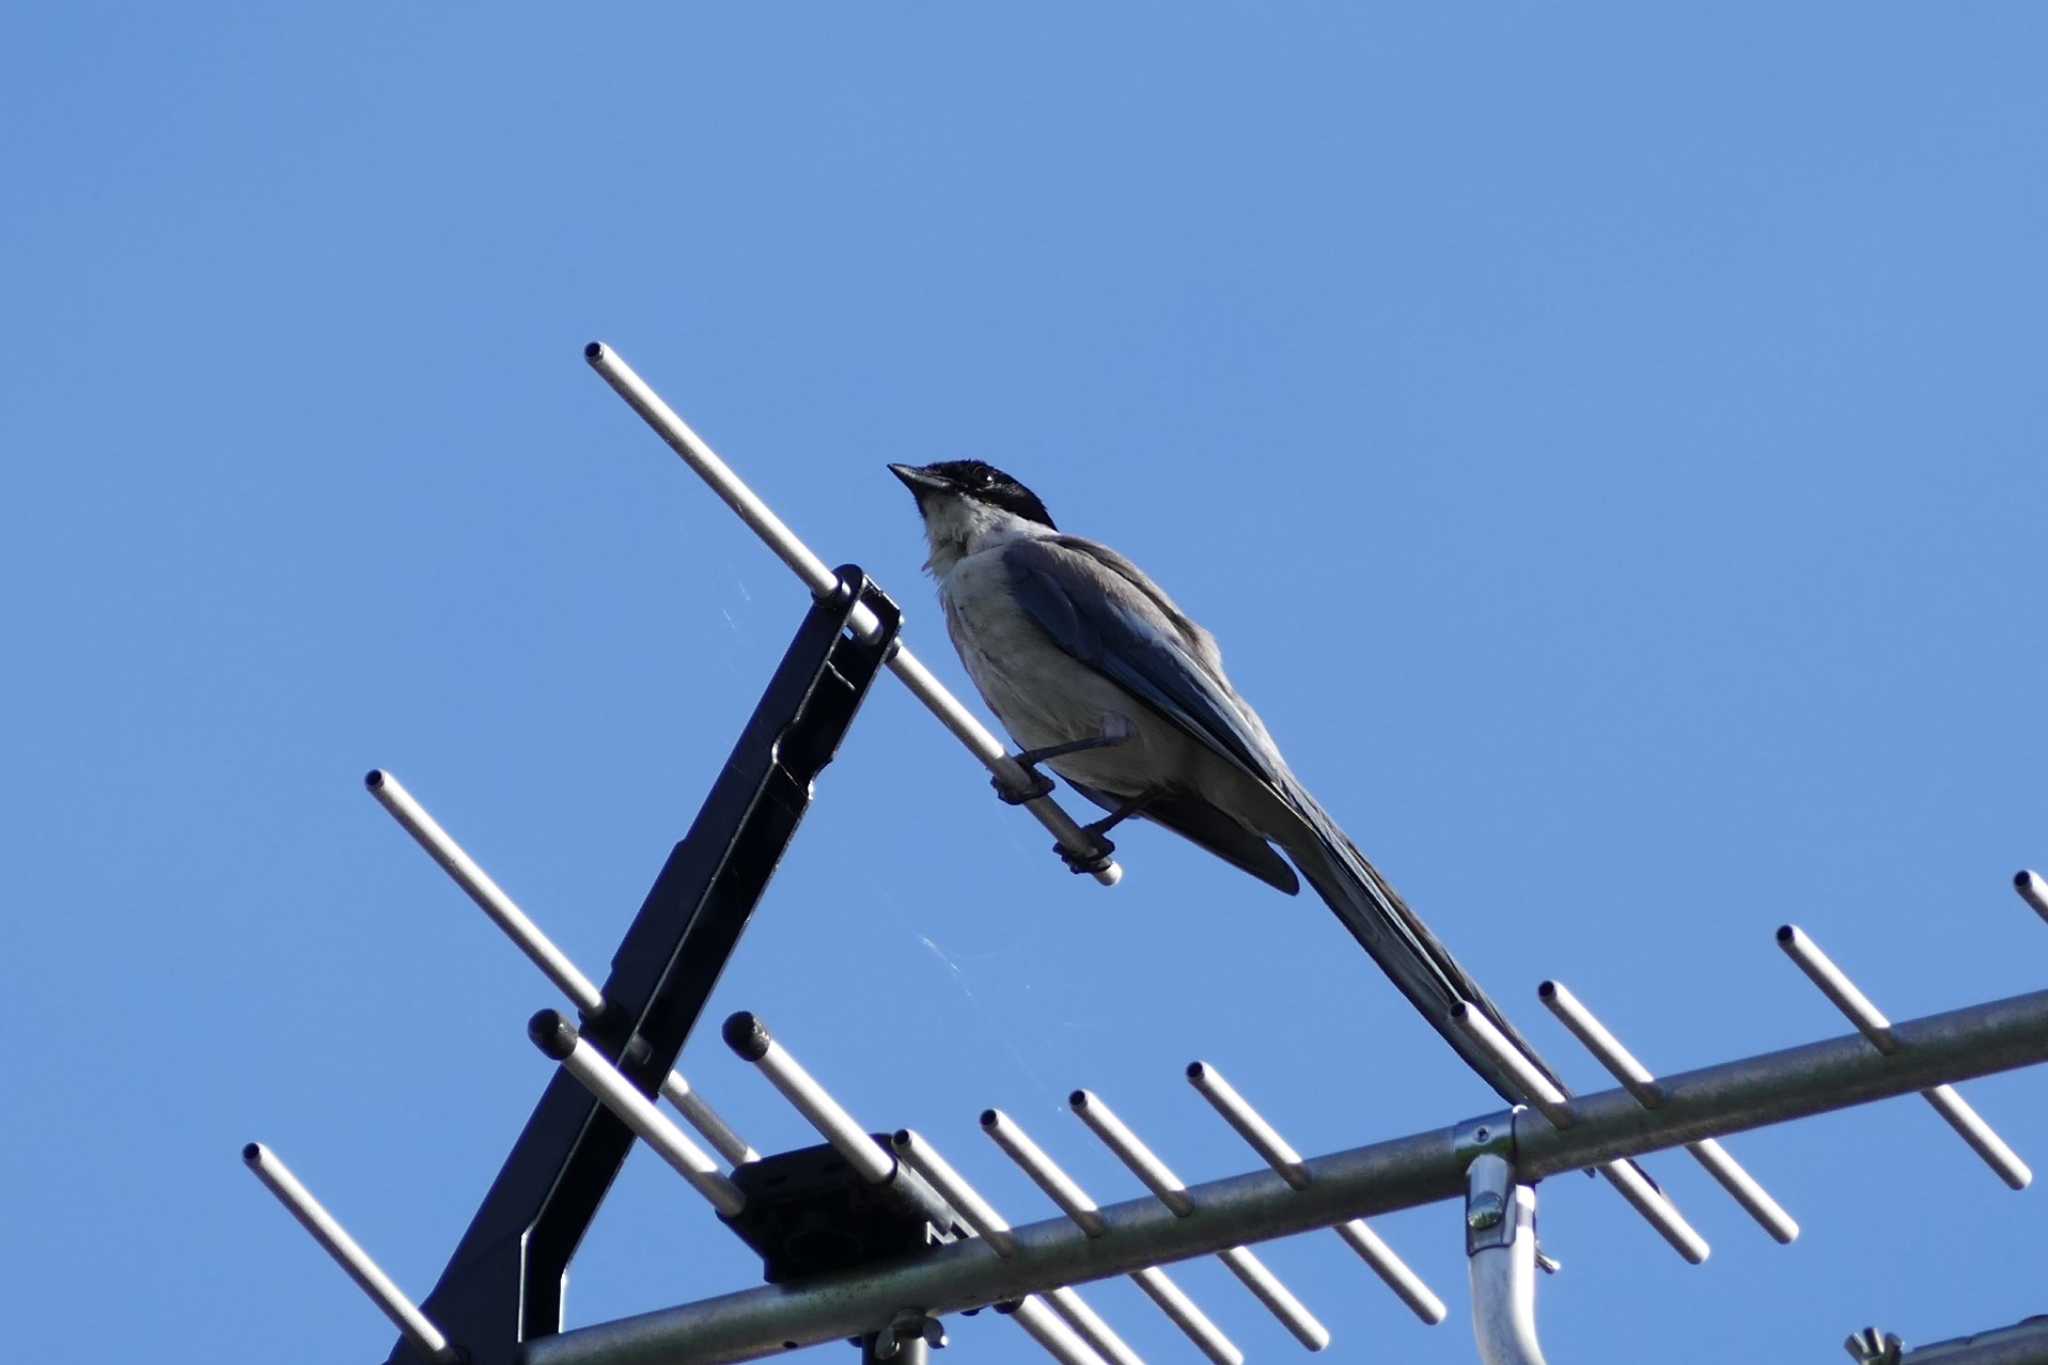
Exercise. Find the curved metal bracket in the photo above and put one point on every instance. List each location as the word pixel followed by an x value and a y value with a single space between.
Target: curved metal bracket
pixel 1500 1247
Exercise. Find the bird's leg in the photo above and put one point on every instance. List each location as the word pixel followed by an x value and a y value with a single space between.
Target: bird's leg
pixel 1134 806
pixel 1098 857
pixel 1115 730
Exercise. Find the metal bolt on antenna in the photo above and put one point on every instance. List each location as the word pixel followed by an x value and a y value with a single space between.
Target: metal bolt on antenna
pixel 907 1326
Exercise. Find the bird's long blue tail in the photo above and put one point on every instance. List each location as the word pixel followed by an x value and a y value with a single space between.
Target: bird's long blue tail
pixel 1411 956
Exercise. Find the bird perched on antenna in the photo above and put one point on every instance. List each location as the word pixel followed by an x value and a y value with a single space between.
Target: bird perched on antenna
pixel 1099 676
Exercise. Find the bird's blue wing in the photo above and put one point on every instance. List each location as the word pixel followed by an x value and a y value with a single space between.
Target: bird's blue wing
pixel 1098 615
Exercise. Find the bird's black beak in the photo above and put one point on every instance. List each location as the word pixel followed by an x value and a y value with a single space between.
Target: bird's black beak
pixel 918 480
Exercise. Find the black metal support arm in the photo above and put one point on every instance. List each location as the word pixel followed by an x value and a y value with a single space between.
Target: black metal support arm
pixel 504 1283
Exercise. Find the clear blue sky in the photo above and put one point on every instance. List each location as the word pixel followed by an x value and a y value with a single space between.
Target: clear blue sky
pixel 1610 447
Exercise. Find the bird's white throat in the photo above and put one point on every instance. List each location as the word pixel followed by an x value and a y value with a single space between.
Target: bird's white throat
pixel 955 527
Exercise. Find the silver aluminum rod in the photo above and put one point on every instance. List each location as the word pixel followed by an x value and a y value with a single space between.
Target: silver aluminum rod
pixel 2004 1162
pixel 1544 1095
pixel 1092 1329
pixel 1660 1212
pixel 820 580
pixel 488 895
pixel 426 1338
pixel 981 1217
pixel 984 1222
pixel 1953 1108
pixel 699 1114
pixel 1404 1172
pixel 1181 1310
pixel 1250 1125
pixel 2033 889
pixel 1406 1284
pixel 1639 1082
pixel 1060 1341
pixel 1167 1187
pixel 1559 1110
pixel 1281 1156
pixel 538 947
pixel 1043 1170
pixel 1553 1104
pixel 747 1037
pixel 554 1035
pixel 1742 1187
pixel 1618 1060
pixel 1143 1163
pixel 1282 1304
pixel 1835 984
pixel 1079 1207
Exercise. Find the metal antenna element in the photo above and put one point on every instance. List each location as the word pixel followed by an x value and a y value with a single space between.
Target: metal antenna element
pixel 1552 1103
pixel 539 948
pixel 822 582
pixel 984 1222
pixel 556 1037
pixel 705 1120
pixel 1268 1143
pixel 1250 1125
pixel 1092 1329
pixel 981 1218
pixel 1182 1312
pixel 1044 1172
pixel 1104 1123
pixel 1837 987
pixel 751 1041
pixel 488 895
pixel 1658 1210
pixel 1058 1339
pixel 1167 1188
pixel 1402 1172
pixel 1638 1081
pixel 2033 889
pixel 1076 1204
pixel 1619 1061
pixel 1544 1096
pixel 426 1338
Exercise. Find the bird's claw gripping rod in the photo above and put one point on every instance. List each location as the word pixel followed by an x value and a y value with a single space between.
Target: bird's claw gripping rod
pixel 1072 839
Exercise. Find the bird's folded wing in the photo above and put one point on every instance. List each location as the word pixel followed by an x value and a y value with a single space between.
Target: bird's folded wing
pixel 1117 625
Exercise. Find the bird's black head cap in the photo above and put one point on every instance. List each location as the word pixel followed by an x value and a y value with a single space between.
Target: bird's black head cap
pixel 984 483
